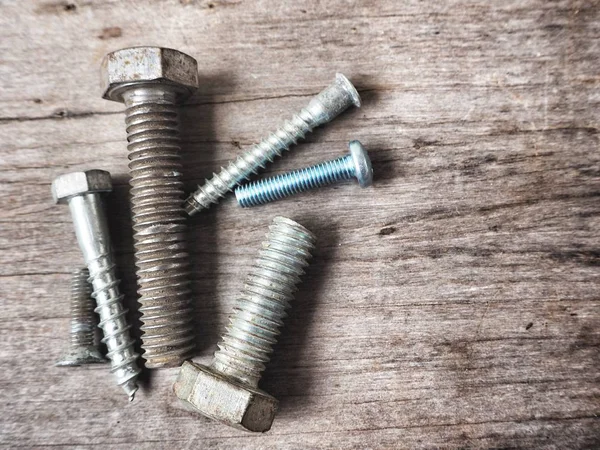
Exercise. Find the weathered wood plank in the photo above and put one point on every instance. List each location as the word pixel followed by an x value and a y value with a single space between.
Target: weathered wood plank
pixel 454 304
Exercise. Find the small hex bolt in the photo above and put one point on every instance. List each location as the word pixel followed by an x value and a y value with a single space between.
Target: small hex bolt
pixel 151 82
pixel 83 324
pixel 356 164
pixel 81 191
pixel 227 390
pixel 322 108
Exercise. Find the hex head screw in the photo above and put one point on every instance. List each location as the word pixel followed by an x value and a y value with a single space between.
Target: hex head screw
pixel 151 82
pixel 354 165
pixel 227 390
pixel 81 191
pixel 83 324
pixel 323 108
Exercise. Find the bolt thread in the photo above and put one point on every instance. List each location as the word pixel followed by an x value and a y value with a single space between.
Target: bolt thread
pixel 159 227
pixel 270 286
pixel 113 323
pixel 287 184
pixel 251 162
pixel 83 319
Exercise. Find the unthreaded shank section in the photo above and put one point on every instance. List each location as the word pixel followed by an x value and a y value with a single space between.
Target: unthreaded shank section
pixel 269 288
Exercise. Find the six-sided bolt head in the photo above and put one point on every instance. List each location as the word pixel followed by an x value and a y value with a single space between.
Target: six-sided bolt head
pixel 80 183
pixel 362 163
pixel 221 398
pixel 151 65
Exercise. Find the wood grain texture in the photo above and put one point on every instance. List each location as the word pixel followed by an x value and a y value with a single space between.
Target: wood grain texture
pixel 453 305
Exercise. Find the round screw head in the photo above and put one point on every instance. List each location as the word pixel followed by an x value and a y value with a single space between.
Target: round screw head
pixel 152 65
pixel 80 183
pixel 80 356
pixel 362 163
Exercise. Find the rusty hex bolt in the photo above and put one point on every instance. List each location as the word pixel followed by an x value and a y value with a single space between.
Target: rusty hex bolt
pixel 227 390
pixel 151 82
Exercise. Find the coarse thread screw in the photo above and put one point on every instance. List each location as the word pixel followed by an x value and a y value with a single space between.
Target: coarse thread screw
pixel 151 82
pixel 356 164
pixel 269 288
pixel 323 108
pixel 81 191
pixel 83 324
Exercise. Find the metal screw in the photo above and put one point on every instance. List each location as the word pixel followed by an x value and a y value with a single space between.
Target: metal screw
pixel 323 108
pixel 356 164
pixel 81 190
pixel 83 324
pixel 151 82
pixel 227 389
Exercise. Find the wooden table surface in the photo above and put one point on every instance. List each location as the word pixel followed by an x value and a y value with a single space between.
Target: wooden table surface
pixel 453 304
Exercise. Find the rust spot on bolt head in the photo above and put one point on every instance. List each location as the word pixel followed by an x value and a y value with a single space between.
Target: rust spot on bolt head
pixel 147 65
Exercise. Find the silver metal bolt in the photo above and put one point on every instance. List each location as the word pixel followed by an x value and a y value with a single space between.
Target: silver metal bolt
pixel 83 324
pixel 151 82
pixel 356 164
pixel 323 108
pixel 81 191
pixel 227 390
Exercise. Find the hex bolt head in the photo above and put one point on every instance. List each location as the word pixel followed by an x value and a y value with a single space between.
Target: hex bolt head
pixel 72 184
pixel 134 66
pixel 202 389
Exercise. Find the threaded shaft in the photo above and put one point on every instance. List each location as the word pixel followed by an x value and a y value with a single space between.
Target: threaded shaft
pixel 113 322
pixel 271 284
pixel 159 226
pixel 251 161
pixel 278 187
pixel 83 319
pixel 322 108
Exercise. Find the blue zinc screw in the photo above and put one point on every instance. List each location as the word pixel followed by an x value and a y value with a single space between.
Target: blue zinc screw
pixel 355 164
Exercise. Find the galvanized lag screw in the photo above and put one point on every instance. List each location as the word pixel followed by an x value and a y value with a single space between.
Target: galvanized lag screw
pixel 81 191
pixel 356 164
pixel 83 324
pixel 323 108
pixel 227 389
pixel 152 81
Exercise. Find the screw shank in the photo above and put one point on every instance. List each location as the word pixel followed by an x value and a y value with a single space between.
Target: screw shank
pixel 159 225
pixel 83 323
pixel 285 185
pixel 90 224
pixel 269 288
pixel 91 229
